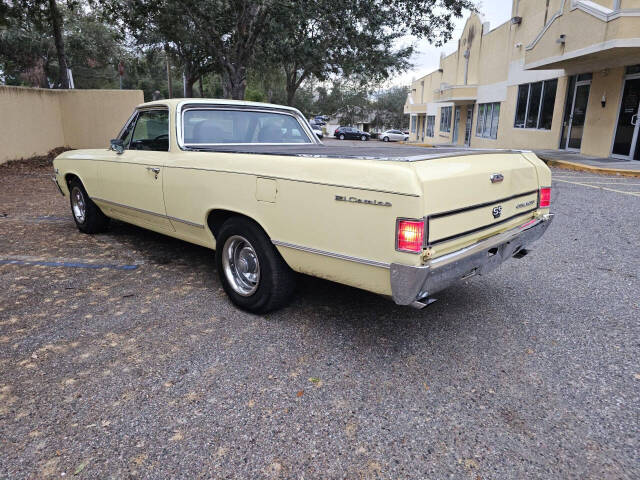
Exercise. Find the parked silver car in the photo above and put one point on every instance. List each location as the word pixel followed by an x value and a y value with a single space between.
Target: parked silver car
pixel 393 136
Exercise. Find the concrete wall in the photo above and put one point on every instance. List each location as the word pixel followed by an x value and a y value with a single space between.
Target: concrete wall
pixel 34 121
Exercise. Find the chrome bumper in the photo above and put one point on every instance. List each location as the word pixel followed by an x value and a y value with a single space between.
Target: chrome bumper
pixel 415 284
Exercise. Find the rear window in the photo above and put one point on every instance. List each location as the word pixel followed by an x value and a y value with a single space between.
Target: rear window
pixel 237 126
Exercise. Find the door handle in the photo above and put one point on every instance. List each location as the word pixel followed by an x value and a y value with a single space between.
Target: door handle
pixel 155 171
pixel 634 120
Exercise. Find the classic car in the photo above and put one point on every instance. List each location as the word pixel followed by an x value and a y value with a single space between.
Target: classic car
pixel 252 182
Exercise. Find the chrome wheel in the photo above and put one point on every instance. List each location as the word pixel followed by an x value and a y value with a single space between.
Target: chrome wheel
pixel 241 265
pixel 78 205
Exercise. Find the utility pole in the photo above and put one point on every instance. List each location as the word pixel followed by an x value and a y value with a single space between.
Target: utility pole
pixel 169 84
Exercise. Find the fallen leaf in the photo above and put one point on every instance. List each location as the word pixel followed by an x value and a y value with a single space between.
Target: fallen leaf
pixel 426 387
pixel 529 351
pixel 80 468
pixel 300 393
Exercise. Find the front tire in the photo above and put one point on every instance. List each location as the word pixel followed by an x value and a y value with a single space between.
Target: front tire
pixel 341 137
pixel 385 139
pixel 251 270
pixel 363 138
pixel 87 215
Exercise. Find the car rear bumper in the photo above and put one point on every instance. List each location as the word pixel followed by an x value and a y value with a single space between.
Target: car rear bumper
pixel 411 284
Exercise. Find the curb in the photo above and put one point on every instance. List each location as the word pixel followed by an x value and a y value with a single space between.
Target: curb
pixel 588 168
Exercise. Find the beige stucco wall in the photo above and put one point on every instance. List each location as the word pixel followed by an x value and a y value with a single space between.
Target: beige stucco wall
pixel 598 132
pixel 30 122
pixel 34 121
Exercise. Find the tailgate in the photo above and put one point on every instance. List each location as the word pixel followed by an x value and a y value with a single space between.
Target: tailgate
pixel 461 200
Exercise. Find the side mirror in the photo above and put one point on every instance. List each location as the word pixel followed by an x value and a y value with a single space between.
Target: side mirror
pixel 117 145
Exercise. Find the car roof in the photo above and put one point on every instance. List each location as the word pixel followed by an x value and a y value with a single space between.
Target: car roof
pixel 173 102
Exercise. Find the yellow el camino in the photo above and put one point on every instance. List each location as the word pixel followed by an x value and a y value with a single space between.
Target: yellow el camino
pixel 252 182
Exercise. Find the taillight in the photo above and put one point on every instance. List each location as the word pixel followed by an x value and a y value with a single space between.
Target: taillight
pixel 410 234
pixel 545 197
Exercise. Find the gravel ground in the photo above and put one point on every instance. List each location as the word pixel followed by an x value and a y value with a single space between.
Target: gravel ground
pixel 143 369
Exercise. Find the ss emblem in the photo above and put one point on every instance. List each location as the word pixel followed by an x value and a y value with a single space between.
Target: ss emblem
pixel 497 211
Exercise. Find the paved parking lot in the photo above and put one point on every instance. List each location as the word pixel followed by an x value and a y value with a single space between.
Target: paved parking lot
pixel 120 356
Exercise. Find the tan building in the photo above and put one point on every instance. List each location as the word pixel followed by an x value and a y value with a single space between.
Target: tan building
pixel 560 74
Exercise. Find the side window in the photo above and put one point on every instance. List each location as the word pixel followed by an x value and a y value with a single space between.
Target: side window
pixel 128 130
pixel 151 131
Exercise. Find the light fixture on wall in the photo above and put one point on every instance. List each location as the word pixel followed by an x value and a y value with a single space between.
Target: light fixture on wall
pixel 562 39
pixel 603 102
pixel 516 20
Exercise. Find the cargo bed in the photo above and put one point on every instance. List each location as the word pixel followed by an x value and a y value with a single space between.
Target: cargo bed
pixel 405 153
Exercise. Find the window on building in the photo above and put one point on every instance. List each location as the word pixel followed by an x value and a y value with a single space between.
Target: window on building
pixel 632 69
pixel 431 125
pixel 535 104
pixel 487 123
pixel 445 119
pixel 413 123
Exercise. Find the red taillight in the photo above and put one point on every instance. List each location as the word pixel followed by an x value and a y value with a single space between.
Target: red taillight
pixel 545 197
pixel 410 235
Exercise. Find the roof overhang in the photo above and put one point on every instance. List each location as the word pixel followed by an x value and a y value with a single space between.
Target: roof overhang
pixel 609 54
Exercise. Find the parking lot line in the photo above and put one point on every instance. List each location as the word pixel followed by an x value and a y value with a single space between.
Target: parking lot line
pixel 634 194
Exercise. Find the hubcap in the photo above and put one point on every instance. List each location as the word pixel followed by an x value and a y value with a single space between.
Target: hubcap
pixel 78 204
pixel 241 265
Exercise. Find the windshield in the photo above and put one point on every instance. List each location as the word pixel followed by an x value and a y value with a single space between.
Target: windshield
pixel 216 126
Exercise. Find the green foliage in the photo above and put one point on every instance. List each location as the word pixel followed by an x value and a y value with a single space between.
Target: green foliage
pixel 254 95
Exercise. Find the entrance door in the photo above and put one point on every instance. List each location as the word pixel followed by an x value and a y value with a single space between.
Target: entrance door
pixel 578 114
pixel 468 125
pixel 456 124
pixel 626 143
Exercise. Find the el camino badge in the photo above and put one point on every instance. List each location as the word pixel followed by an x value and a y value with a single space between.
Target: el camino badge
pixel 342 198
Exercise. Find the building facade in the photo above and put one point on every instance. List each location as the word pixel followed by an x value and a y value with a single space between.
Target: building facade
pixel 561 74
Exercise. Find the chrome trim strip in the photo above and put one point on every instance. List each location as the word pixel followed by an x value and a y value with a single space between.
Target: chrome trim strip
pixel 482 205
pixel 339 256
pixel 161 215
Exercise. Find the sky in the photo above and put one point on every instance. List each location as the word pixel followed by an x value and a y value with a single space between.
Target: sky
pixel 427 57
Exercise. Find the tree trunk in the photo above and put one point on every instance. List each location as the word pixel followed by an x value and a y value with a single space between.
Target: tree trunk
pixel 236 80
pixel 56 25
pixel 189 80
pixel 169 82
pixel 291 94
pixel 200 86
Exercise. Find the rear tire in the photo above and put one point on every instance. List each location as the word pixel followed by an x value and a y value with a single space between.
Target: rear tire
pixel 363 138
pixel 87 215
pixel 251 270
pixel 385 139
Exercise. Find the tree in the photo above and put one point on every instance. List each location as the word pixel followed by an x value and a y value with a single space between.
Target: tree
pixel 356 40
pixel 388 108
pixel 39 18
pixel 168 25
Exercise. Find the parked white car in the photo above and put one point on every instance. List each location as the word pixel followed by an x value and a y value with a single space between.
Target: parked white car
pixel 317 130
pixel 393 136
